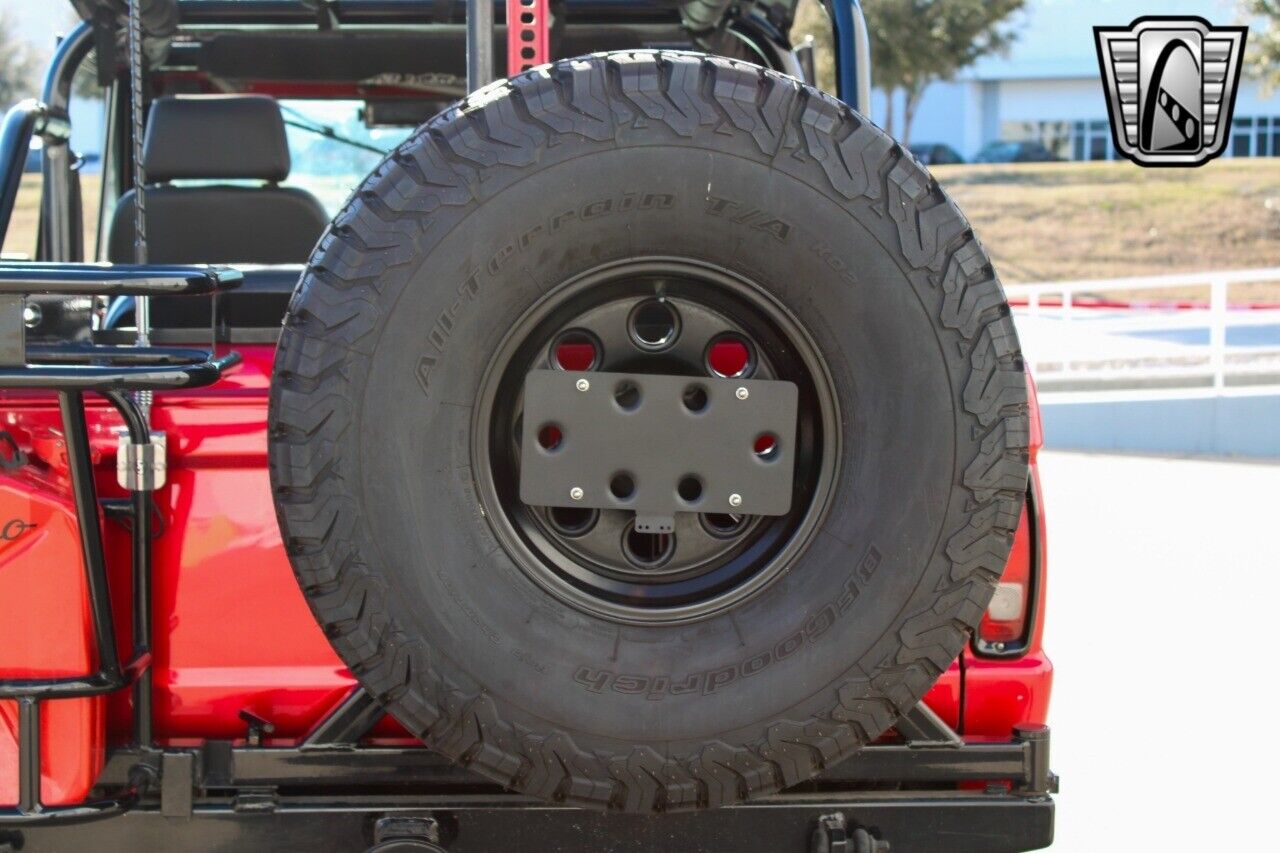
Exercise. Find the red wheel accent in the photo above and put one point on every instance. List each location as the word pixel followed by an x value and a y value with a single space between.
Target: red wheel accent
pixel 528 35
pixel 550 437
pixel 576 351
pixel 766 445
pixel 729 357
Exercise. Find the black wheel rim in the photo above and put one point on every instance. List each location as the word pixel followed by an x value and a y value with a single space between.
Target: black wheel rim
pixel 669 316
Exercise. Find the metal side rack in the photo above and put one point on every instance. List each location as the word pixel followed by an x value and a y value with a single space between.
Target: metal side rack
pixel 115 372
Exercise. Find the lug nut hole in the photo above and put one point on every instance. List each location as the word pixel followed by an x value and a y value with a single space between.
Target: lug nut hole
pixel 729 356
pixel 550 437
pixel 627 395
pixel 695 398
pixel 622 486
pixel 689 489
pixel 654 325
pixel 723 524
pixel 647 550
pixel 573 520
pixel 766 446
pixel 576 350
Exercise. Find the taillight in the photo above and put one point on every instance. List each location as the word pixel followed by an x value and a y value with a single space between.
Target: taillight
pixel 1004 626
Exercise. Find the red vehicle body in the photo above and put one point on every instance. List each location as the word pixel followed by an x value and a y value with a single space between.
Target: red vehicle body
pixel 233 632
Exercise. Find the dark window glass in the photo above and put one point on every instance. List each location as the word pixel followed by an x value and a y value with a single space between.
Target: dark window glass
pixel 1240 146
pixel 1241 131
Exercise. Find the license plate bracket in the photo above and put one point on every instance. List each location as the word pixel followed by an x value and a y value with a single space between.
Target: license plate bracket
pixel 585 434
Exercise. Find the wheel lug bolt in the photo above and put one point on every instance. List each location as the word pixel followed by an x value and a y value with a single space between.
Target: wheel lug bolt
pixel 583 385
pixel 735 499
pixel 576 493
pixel 742 393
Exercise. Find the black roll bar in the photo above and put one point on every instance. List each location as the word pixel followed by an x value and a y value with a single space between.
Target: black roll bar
pixel 25 120
pixel 59 237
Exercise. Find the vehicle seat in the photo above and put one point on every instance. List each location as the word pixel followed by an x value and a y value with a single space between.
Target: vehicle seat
pixel 218 138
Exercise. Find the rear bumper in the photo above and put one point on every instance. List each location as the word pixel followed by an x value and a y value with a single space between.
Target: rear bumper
pixel 912 823
pixel 931 795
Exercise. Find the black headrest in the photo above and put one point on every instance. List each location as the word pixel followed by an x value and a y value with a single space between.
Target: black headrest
pixel 215 136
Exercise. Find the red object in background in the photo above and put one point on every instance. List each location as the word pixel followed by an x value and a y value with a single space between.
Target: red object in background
pixel 528 34
pixel 232 630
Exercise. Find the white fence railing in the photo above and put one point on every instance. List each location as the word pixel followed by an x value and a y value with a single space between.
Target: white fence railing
pixel 1090 339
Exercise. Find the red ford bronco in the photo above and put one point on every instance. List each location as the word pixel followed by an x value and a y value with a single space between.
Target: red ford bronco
pixel 645 461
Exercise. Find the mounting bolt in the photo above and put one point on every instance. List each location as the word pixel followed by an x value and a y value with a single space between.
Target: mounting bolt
pixel 583 385
pixel 735 499
pixel 742 393
pixel 576 492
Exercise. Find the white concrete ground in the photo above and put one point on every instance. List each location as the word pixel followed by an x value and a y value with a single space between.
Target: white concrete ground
pixel 1164 626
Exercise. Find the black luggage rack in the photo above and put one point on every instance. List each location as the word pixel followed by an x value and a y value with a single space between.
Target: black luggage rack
pixel 115 372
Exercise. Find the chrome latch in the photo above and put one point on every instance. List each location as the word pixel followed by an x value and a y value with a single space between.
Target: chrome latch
pixel 141 467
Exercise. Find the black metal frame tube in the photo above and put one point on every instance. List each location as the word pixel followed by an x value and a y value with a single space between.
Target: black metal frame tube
pixel 853 53
pixel 142 685
pixel 232 13
pixel 64 377
pixel 28 754
pixel 347 724
pixel 69 279
pixel 85 497
pixel 56 222
pixel 479 44
pixel 15 138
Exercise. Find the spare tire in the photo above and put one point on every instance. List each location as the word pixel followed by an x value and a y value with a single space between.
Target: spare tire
pixel 521 229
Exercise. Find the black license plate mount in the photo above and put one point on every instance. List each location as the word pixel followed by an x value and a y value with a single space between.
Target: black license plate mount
pixel 658 444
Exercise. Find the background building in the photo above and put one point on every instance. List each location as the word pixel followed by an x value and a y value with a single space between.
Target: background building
pixel 1048 88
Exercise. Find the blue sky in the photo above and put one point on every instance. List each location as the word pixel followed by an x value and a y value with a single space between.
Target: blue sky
pixel 1056 35
pixel 38 21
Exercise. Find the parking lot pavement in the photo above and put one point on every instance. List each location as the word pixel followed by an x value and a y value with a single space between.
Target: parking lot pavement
pixel 1164 626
